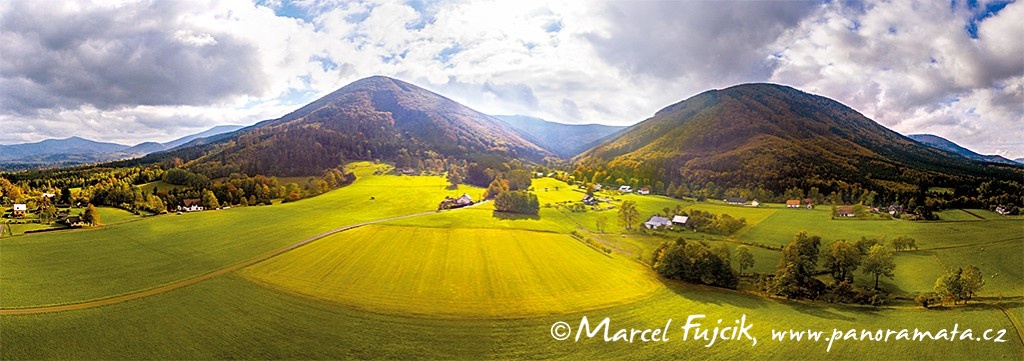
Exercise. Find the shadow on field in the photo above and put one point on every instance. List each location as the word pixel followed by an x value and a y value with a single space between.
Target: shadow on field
pixel 824 311
pixel 513 216
pixel 712 295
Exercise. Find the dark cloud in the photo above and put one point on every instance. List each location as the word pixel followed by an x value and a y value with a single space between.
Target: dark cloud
pixel 705 40
pixel 114 57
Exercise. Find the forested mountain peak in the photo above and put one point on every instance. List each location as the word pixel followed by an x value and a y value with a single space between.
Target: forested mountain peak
pixel 771 137
pixel 372 118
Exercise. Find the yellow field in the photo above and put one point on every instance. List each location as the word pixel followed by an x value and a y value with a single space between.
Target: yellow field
pixel 459 272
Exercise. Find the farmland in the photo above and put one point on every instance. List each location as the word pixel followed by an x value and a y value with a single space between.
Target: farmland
pixel 466 283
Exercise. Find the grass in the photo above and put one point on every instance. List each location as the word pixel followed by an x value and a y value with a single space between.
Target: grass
pixel 468 284
pixel 78 265
pixel 229 317
pixel 160 185
pixel 460 272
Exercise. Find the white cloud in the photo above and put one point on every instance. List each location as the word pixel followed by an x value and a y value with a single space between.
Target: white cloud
pixel 140 71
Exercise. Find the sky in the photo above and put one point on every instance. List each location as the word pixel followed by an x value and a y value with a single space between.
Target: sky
pixel 129 71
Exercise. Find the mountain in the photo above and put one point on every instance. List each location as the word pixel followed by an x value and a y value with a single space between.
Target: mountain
pixel 565 140
pixel 50 148
pixel 372 118
pixel 773 137
pixel 220 129
pixel 1019 160
pixel 76 150
pixel 938 142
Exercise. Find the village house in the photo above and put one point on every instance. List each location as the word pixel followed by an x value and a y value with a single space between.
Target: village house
pixel 452 203
pixel 809 202
pixel 626 189
pixel 191 205
pixel 755 203
pixel 735 201
pixel 19 210
pixel 1002 210
pixel 589 200
pixel 680 220
pixel 658 222
pixel 74 222
pixel 644 191
pixel 793 203
pixel 845 211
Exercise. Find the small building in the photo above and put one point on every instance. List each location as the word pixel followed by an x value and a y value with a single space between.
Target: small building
pixel 465 200
pixel 19 210
pixel 452 203
pixel 658 222
pixel 644 191
pixel 408 170
pixel 793 203
pixel 74 222
pixel 589 200
pixel 1002 210
pixel 735 201
pixel 191 205
pixel 625 189
pixel 680 220
pixel 540 175
pixel 755 203
pixel 49 195
pixel 895 209
pixel 597 187
pixel 845 211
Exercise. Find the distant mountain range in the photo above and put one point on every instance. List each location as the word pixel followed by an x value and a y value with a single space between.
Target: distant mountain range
pixel 77 150
pixel 565 140
pixel 775 137
pixel 938 142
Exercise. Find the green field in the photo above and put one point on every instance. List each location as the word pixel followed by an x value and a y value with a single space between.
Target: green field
pixel 466 283
pixel 461 272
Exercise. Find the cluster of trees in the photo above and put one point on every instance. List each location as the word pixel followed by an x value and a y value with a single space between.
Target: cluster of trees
pixel 707 222
pixel 695 262
pixel 521 202
pixel 960 284
pixel 916 199
pixel 794 277
pixel 118 187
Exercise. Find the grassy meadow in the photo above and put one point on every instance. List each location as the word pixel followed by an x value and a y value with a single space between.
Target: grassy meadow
pixel 468 283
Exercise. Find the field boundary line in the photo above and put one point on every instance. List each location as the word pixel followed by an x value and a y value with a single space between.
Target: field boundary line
pixel 1014 321
pixel 202 277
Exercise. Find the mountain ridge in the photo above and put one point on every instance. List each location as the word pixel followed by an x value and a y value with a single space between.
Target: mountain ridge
pixel 372 118
pixel 938 142
pixel 565 140
pixel 772 137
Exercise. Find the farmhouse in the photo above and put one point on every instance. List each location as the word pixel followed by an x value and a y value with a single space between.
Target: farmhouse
pixel 1002 210
pixel 626 189
pixel 191 205
pixel 755 203
pixel 657 222
pixel 680 220
pixel 75 222
pixel 451 203
pixel 644 191
pixel 793 203
pixel 809 202
pixel 20 209
pixel 845 211
pixel 589 200
pixel 735 200
pixel 895 209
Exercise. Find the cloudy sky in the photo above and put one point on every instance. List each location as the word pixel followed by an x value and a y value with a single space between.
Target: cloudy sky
pixel 127 71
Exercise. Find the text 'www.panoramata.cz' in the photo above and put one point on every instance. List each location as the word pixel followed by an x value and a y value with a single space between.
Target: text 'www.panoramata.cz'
pixel 698 328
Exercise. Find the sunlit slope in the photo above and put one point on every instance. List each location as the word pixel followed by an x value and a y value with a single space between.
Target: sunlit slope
pixel 458 272
pixel 73 266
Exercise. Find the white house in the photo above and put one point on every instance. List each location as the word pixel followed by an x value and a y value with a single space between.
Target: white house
pixel 644 191
pixel 658 221
pixel 20 209
pixel 680 220
pixel 626 189
pixel 754 203
pixel 465 200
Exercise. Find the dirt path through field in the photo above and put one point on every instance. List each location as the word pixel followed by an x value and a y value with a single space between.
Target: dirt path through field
pixel 199 278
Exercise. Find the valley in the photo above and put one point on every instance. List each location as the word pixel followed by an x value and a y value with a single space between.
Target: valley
pixel 460 283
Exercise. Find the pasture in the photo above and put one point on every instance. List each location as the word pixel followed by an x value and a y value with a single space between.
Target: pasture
pixel 464 284
pixel 462 272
